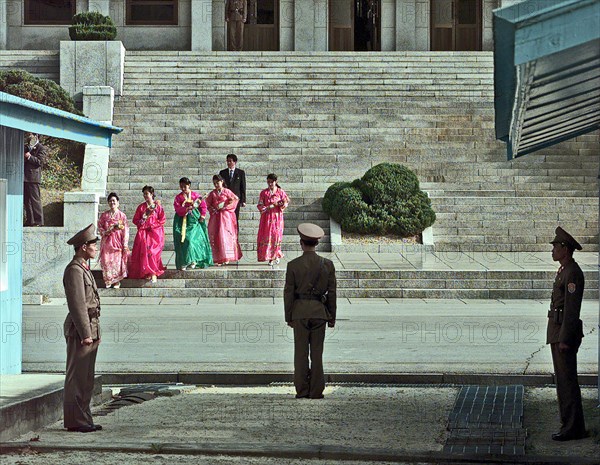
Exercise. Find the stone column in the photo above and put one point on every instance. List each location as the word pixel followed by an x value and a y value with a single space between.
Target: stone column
pixel 81 209
pixel 406 24
pixel 286 25
pixel 321 19
pixel 4 24
pixel 304 25
pixel 422 25
pixel 219 41
pixel 98 105
pixel 388 25
pixel 101 6
pixel 201 25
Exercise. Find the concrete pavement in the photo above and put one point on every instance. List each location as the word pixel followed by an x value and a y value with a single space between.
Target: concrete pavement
pixel 372 336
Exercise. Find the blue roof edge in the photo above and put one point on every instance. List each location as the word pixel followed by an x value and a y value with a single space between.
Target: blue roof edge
pixel 14 100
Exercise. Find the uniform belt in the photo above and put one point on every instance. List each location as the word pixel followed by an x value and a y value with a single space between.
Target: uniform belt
pixel 308 297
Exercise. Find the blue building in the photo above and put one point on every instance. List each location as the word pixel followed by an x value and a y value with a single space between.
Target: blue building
pixel 18 116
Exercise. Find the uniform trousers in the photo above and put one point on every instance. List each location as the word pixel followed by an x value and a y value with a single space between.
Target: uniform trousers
pixel 235 36
pixel 79 383
pixel 32 204
pixel 568 391
pixel 309 337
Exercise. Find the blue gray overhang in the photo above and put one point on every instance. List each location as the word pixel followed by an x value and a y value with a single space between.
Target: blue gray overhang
pixel 28 116
pixel 546 72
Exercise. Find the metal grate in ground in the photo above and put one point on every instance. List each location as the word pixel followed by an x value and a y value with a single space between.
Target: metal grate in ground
pixel 487 420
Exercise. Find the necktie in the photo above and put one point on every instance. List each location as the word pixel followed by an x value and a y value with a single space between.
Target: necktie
pixel 230 175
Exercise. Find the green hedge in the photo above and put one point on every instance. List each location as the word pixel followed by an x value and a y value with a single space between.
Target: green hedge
pixel 386 200
pixel 92 26
pixel 65 158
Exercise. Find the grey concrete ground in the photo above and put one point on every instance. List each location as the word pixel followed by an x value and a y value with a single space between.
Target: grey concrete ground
pixel 356 421
pixel 372 335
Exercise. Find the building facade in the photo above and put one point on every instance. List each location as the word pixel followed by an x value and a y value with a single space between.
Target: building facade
pixel 272 25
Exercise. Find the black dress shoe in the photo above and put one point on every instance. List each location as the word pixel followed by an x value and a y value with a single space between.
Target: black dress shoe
pixel 568 437
pixel 318 397
pixel 298 396
pixel 98 427
pixel 83 429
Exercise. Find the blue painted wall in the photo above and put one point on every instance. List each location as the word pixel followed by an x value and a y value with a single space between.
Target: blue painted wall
pixel 11 300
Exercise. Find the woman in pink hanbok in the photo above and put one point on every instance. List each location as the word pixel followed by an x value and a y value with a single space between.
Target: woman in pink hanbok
pixel 114 245
pixel 271 203
pixel 222 225
pixel 146 261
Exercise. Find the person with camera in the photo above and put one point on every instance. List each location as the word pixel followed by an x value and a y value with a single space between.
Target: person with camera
pixel 310 305
pixel 35 157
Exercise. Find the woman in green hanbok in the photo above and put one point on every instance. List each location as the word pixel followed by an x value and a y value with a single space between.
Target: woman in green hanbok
pixel 192 247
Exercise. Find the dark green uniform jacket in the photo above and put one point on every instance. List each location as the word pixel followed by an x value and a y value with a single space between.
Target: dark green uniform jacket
pixel 564 324
pixel 299 282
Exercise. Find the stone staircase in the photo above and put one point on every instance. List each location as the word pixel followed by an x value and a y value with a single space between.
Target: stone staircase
pixel 317 118
pixel 41 63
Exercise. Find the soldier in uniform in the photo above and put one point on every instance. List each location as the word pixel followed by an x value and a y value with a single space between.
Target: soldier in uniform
pixel 564 334
pixel 236 12
pixel 310 306
pixel 82 332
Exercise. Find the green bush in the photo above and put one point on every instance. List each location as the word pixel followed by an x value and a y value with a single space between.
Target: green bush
pixel 386 200
pixel 92 26
pixel 65 158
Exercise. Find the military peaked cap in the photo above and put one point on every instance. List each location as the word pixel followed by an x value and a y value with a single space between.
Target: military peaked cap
pixel 310 232
pixel 84 236
pixel 564 238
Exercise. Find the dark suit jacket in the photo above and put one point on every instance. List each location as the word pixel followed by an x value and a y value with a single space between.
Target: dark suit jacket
pixel 238 185
pixel 33 165
pixel 298 280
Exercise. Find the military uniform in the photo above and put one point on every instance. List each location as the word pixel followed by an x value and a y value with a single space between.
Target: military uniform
pixel 236 12
pixel 308 279
pixel 82 322
pixel 564 326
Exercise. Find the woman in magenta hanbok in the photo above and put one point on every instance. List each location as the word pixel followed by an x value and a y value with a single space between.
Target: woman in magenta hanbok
pixel 222 225
pixel 271 203
pixel 146 261
pixel 114 245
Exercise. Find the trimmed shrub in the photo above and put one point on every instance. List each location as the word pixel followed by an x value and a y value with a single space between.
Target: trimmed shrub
pixel 92 26
pixel 65 158
pixel 386 200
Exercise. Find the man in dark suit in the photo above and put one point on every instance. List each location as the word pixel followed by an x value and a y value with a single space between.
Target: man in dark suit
pixel 564 334
pixel 35 158
pixel 235 180
pixel 310 305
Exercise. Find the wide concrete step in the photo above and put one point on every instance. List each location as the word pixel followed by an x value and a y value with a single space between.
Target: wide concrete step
pixel 267 282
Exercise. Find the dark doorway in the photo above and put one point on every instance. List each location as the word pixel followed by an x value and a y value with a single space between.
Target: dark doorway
pixel 354 25
pixel 261 32
pixel 456 25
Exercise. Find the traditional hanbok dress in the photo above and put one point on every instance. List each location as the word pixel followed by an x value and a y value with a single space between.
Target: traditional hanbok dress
pixel 190 233
pixel 270 228
pixel 114 243
pixel 149 242
pixel 222 226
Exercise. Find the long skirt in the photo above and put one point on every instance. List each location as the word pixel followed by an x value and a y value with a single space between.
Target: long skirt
pixel 196 246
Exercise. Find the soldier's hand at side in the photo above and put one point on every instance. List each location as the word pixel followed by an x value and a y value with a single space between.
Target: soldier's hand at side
pixel 331 323
pixel 562 347
pixel 290 324
pixel 88 341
